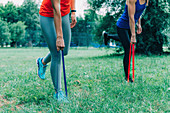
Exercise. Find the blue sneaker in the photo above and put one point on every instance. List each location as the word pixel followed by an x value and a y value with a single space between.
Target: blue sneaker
pixel 60 97
pixel 41 68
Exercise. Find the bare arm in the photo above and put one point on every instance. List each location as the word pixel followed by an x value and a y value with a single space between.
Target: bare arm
pixel 73 7
pixel 57 17
pixel 147 3
pixel 73 14
pixel 139 21
pixel 139 30
pixel 131 12
pixel 58 24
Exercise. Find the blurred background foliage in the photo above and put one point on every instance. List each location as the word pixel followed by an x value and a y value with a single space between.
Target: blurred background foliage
pixel 19 25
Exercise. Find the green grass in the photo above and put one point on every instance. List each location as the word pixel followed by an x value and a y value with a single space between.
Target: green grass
pixel 95 83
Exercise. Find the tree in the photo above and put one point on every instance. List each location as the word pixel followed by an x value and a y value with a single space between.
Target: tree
pixel 17 32
pixel 29 14
pixel 9 12
pixel 154 22
pixel 82 33
pixel 106 22
pixel 1 10
pixel 78 30
pixel 4 32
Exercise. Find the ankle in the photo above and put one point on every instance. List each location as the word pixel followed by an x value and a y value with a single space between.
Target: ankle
pixel 43 62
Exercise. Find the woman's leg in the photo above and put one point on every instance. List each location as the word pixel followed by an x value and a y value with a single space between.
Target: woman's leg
pixel 66 35
pixel 107 37
pixel 48 29
pixel 67 38
pixel 124 36
pixel 114 37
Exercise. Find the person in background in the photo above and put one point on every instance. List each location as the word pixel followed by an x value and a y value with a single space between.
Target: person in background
pixel 126 28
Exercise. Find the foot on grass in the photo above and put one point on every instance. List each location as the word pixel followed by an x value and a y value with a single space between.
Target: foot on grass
pixel 60 97
pixel 130 79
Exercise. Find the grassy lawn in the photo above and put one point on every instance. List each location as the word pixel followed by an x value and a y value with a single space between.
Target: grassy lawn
pixel 95 83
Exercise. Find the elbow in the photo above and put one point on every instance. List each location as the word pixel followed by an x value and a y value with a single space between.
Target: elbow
pixel 56 13
pixel 65 52
pixel 131 19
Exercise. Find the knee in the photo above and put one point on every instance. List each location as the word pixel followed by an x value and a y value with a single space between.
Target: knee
pixel 127 49
pixel 65 53
pixel 55 54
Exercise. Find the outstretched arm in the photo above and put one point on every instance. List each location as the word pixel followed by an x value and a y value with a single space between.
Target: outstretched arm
pixel 58 24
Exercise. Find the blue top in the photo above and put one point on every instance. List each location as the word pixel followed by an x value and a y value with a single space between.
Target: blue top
pixel 123 21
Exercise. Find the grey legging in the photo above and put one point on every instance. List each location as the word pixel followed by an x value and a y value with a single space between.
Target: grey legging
pixel 49 32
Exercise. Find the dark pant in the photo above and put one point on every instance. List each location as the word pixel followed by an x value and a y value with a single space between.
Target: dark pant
pixel 125 35
pixel 114 37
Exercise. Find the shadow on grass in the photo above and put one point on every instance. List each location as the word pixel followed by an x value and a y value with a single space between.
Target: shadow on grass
pixel 166 53
pixel 109 56
pixel 100 57
pixel 118 55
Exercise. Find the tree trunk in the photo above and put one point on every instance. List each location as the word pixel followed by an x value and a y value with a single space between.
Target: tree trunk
pixel 159 49
pixel 15 44
pixel 1 44
pixel 30 43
